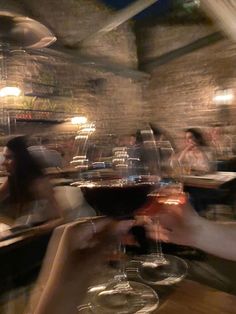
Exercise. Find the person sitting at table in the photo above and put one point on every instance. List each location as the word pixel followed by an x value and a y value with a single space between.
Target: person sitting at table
pixel 196 156
pixel 26 195
pixel 181 224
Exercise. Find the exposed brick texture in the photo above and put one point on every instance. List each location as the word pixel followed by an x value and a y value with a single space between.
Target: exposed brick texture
pixel 72 87
pixel 180 93
pixel 73 20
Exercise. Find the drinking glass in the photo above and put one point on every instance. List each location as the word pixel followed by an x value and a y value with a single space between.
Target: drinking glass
pixel 158 268
pixel 116 180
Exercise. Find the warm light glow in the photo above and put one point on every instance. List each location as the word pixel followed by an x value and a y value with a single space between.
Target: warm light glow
pixel 10 91
pixel 88 129
pixel 78 120
pixel 223 97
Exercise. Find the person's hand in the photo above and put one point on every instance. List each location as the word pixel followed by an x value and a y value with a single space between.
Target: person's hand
pixel 190 147
pixel 75 256
pixel 178 224
pixel 87 244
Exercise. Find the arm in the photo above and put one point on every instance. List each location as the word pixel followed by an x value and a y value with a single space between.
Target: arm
pixel 205 159
pixel 76 255
pixel 182 225
pixel 4 190
pixel 43 190
pixel 182 156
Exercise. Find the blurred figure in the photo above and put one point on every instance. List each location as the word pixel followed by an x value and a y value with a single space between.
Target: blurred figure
pixel 162 135
pixel 221 142
pixel 165 149
pixel 26 191
pixel 196 156
pixel 126 140
pixel 46 156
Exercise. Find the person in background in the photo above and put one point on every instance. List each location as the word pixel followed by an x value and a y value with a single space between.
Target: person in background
pixel 162 135
pixel 46 156
pixel 180 224
pixel 196 156
pixel 166 149
pixel 26 192
pixel 221 142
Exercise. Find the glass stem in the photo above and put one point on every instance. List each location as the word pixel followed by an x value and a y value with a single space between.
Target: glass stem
pixel 121 276
pixel 157 237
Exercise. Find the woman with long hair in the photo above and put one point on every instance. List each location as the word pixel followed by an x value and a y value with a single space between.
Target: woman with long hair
pixel 27 190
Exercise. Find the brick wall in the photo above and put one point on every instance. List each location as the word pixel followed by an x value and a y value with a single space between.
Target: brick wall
pixel 78 89
pixel 180 93
pixel 73 87
pixel 73 20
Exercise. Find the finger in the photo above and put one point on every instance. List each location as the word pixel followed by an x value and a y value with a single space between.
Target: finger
pixel 142 220
pixel 122 227
pixel 162 234
pixel 78 235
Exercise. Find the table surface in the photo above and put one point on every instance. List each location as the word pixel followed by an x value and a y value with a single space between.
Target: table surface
pixel 190 297
pixel 213 180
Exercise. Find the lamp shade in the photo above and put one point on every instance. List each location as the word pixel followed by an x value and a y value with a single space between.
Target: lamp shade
pixel 23 31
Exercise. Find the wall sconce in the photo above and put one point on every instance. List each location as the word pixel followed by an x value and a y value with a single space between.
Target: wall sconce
pixel 10 91
pixel 223 97
pixel 78 120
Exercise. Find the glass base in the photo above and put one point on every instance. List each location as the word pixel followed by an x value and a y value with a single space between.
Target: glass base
pixel 161 271
pixel 126 297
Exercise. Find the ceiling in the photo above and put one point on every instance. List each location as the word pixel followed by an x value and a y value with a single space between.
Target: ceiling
pixel 159 8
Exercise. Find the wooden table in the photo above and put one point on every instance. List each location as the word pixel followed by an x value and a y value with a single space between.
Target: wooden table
pixel 190 297
pixel 61 181
pixel 52 171
pixel 21 256
pixel 210 181
pixel 209 189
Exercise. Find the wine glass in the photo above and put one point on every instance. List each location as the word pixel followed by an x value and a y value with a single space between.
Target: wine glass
pixel 116 179
pixel 158 268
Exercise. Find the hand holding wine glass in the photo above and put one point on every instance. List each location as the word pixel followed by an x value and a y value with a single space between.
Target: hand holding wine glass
pixel 177 224
pixel 117 183
pixel 76 253
pixel 158 268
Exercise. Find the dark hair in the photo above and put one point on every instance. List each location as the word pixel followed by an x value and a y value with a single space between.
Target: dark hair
pixel 159 131
pixel 156 130
pixel 138 137
pixel 26 171
pixel 198 137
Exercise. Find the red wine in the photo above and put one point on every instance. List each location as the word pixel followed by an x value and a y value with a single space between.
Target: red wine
pixel 116 200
